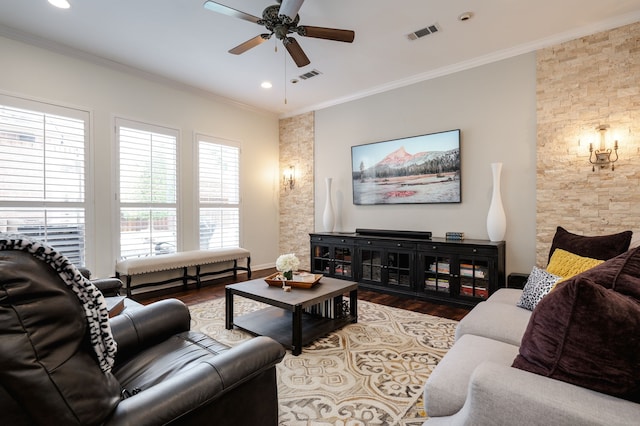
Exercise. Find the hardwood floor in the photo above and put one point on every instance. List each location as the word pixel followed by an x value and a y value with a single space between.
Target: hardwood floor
pixel 214 289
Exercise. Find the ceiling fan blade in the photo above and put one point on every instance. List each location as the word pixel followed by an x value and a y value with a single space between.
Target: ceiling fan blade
pixel 326 33
pixel 290 8
pixel 249 44
pixel 229 11
pixel 296 52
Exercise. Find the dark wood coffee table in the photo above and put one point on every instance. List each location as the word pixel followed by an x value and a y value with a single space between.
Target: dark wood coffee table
pixel 294 318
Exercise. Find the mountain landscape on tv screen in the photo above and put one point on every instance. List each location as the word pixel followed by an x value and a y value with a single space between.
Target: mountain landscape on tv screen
pixel 404 178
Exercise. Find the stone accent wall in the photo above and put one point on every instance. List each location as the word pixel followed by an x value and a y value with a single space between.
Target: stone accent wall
pixel 297 135
pixel 582 84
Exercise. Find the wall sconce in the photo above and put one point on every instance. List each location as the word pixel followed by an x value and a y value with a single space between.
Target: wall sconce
pixel 603 155
pixel 289 178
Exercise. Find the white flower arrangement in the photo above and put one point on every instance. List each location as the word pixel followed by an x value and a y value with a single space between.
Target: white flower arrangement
pixel 287 262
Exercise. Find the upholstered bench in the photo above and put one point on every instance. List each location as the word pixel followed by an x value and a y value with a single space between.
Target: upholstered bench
pixel 182 260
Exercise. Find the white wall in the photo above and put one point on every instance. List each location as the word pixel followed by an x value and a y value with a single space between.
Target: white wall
pixel 107 92
pixel 494 106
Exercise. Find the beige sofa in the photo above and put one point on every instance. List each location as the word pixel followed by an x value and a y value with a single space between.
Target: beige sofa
pixel 474 384
pixel 572 357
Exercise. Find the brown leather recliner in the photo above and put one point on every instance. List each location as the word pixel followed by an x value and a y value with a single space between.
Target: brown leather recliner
pixel 163 373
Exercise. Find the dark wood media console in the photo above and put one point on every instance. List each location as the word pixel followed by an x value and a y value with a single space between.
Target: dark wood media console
pixel 459 272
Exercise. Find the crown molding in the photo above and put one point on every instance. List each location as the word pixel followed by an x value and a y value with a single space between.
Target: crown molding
pixel 481 60
pixel 63 49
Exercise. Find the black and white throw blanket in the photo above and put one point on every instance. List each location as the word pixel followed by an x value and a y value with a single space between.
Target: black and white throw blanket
pixel 95 307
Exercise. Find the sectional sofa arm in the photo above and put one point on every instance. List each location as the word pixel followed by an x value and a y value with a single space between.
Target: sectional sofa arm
pixel 501 395
pixel 141 328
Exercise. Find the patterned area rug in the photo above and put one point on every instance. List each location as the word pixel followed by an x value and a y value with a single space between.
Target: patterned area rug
pixel 369 373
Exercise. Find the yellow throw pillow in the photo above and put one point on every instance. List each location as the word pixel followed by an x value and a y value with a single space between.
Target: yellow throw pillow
pixel 567 264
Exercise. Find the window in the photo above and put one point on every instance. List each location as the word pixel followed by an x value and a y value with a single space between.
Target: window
pixel 219 193
pixel 43 154
pixel 148 186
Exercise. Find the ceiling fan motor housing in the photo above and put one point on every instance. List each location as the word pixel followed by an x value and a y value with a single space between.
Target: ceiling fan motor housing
pixel 280 25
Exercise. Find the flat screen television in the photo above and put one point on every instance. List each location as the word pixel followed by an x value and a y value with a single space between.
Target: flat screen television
pixel 421 169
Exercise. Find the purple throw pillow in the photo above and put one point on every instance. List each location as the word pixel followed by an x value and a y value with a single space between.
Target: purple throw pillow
pixel 586 331
pixel 603 247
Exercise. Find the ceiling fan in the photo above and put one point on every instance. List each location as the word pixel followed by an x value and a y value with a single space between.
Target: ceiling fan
pixel 281 20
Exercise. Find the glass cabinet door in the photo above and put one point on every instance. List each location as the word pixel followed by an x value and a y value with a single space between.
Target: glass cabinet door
pixel 371 265
pixel 321 262
pixel 342 264
pixel 332 260
pixel 474 277
pixel 398 267
pixel 437 274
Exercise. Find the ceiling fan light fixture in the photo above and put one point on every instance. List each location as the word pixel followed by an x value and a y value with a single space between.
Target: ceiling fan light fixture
pixel 290 9
pixel 61 4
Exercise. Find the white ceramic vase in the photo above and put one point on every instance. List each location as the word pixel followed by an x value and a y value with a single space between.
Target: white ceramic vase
pixel 328 219
pixel 496 219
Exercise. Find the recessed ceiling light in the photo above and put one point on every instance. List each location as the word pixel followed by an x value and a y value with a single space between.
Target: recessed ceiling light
pixel 62 4
pixel 465 16
pixel 266 85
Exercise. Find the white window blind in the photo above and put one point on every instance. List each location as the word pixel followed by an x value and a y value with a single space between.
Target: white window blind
pixel 148 189
pixel 219 193
pixel 42 170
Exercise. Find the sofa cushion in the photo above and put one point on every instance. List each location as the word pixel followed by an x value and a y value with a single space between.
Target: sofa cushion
pixel 500 321
pixel 446 389
pixel 501 395
pixel 538 285
pixel 602 247
pixel 585 332
pixel 167 359
pixel 510 296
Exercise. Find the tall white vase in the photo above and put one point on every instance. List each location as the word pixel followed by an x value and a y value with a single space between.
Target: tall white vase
pixel 496 219
pixel 328 219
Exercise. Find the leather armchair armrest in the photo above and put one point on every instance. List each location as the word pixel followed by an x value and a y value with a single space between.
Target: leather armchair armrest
pixel 108 286
pixel 139 329
pixel 85 272
pixel 242 362
pixel 169 399
pixel 200 385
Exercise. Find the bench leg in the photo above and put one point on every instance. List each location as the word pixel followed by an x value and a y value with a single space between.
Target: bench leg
pixel 249 267
pixel 198 276
pixel 128 283
pixel 185 278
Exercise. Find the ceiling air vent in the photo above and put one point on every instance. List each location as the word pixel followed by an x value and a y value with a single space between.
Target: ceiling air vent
pixel 309 74
pixel 424 32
